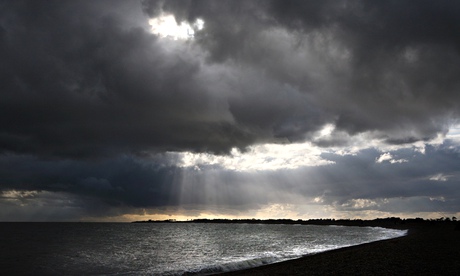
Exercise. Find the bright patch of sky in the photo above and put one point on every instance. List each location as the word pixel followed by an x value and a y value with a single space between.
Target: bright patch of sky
pixel 439 177
pixel 271 157
pixel 360 203
pixel 166 25
pixel 259 158
pixel 389 158
pixel 13 194
pixel 454 133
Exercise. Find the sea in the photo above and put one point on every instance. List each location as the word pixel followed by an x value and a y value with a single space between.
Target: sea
pixel 166 248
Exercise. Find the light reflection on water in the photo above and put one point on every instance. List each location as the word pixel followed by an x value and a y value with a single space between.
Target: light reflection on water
pixel 166 249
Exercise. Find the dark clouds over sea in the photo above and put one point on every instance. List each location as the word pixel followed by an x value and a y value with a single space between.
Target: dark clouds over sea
pixel 93 104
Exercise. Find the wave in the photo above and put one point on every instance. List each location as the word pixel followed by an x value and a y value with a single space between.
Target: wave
pixel 250 262
pixel 236 265
pixel 387 233
pixel 275 257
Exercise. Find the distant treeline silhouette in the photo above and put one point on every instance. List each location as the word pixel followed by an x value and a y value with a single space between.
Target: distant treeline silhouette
pixel 388 222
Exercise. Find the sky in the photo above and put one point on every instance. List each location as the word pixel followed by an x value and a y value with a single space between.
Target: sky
pixel 182 109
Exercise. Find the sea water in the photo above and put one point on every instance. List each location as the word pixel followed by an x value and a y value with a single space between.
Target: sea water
pixel 166 248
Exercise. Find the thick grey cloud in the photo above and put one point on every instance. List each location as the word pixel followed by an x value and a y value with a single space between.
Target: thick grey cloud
pixel 87 80
pixel 388 67
pixel 89 93
pixel 82 84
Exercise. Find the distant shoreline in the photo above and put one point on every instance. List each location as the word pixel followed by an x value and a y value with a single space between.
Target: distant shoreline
pixel 392 222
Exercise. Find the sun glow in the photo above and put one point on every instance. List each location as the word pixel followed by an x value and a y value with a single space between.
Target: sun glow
pixel 166 25
pixel 265 157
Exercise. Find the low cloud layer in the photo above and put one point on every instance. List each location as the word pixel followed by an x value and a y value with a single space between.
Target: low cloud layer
pixel 97 112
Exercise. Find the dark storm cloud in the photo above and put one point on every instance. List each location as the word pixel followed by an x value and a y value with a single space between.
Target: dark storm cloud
pixel 77 82
pixel 121 182
pixel 386 66
pixel 88 94
pixel 129 182
pixel 83 79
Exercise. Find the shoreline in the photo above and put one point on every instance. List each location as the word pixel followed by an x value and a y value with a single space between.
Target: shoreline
pixel 427 249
